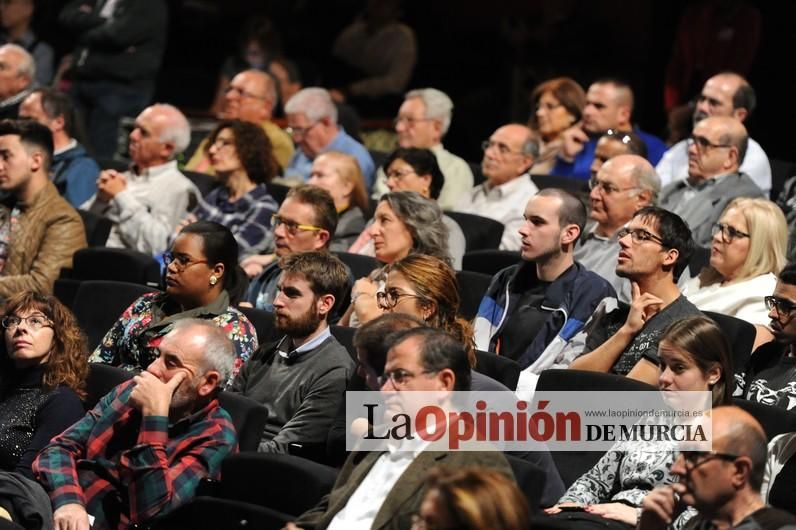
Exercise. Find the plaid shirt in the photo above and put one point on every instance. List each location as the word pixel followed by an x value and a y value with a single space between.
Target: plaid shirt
pixel 248 218
pixel 125 468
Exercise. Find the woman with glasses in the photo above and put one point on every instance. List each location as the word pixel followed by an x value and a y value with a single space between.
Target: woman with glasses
pixel 243 161
pixel 557 105
pixel 693 355
pixel 747 251
pixel 42 377
pixel 339 174
pixel 203 280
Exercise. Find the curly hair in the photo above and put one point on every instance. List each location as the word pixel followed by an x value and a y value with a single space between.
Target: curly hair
pixel 68 361
pixel 253 148
pixel 423 219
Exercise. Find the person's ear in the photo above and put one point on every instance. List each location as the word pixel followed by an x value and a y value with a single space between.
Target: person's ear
pixel 426 183
pixel 740 113
pixel 210 381
pixel 570 234
pixel 671 257
pixel 713 375
pixel 428 309
pixel 57 124
pixel 743 469
pixel 325 303
pixel 323 239
pixel 625 113
pixel 643 198
pixel 733 158
pixel 447 379
pixel 36 158
pixel 217 273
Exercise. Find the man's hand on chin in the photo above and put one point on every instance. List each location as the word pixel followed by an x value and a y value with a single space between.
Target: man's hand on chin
pixel 153 397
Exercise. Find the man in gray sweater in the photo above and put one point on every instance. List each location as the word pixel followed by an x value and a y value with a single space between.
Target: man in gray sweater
pixel 300 379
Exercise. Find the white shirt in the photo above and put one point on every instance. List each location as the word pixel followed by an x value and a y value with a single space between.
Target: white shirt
pixel 674 165
pixel 505 203
pixel 742 300
pixel 781 448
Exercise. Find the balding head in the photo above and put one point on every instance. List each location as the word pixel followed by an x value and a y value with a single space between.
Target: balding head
pixel 251 97
pixel 727 94
pixel 624 185
pixel 510 152
pixel 737 432
pixel 718 147
pixel 161 132
pixel 17 70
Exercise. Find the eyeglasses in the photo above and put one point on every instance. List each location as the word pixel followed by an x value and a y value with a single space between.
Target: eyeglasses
pixel 606 187
pixel 291 227
pixel 399 376
pixel 619 136
pixel 398 175
pixel 503 149
pixel 300 131
pixel 639 235
pixel 728 233
pixel 34 322
pixel 181 261
pixel 409 121
pixel 389 299
pixel 703 144
pixel 694 459
pixel 244 93
pixel 784 307
pixel 220 143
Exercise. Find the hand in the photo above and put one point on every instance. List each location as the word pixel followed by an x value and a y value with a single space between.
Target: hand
pixel 109 184
pixel 291 526
pixel 657 509
pixel 363 298
pixel 153 397
pixel 642 308
pixel 71 517
pixel 557 508
pixel 254 265
pixel 187 220
pixel 616 511
pixel 572 142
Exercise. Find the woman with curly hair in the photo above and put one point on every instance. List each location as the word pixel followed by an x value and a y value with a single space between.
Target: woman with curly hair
pixel 42 377
pixel 244 163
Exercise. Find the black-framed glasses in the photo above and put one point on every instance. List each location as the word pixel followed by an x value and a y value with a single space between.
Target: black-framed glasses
pixel 398 175
pixel 606 187
pixel 618 136
pixel 728 233
pixel 639 235
pixel 503 149
pixel 703 144
pixel 389 299
pixel 399 376
pixel 783 306
pixel 694 459
pixel 34 322
pixel 292 227
pixel 181 261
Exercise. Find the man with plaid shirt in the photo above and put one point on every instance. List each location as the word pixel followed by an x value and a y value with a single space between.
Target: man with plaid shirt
pixel 144 448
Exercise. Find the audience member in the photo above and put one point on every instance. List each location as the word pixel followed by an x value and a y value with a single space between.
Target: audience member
pixel 250 97
pixel 17 79
pixel 301 378
pixel 243 162
pixel 16 17
pixel 147 202
pixel 312 121
pixel 622 186
pixel 780 472
pixel 693 355
pixel 715 151
pixel 339 174
pixel 723 485
pixel 120 46
pixel 382 489
pixel 73 172
pixel 39 230
pixel 423 120
pixel 655 247
pixel 532 309
pixel 43 377
pixel 143 450
pixel 609 105
pixel 614 143
pixel 770 375
pixel 202 280
pixel 509 155
pixel 557 105
pixel 747 252
pixel 724 95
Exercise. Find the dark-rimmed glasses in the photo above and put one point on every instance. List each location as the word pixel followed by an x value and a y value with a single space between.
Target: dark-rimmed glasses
pixel 34 322
pixel 389 299
pixel 399 376
pixel 703 144
pixel 783 306
pixel 639 235
pixel 728 233
pixel 292 227
pixel 181 261
pixel 694 459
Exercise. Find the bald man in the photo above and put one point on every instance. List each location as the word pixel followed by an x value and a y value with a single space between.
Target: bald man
pixel 609 106
pixel 723 485
pixel 715 152
pixel 251 96
pixel 725 94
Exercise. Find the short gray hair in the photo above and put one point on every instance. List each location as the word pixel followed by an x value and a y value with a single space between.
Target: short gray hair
pixel 177 130
pixel 438 105
pixel 530 147
pixel 219 353
pixel 27 66
pixel 423 218
pixel 314 102
pixel 647 180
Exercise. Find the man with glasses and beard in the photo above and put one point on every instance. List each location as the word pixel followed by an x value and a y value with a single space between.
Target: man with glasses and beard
pixel 301 378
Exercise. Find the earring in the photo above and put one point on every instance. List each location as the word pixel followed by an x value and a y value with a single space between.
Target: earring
pixel 213 280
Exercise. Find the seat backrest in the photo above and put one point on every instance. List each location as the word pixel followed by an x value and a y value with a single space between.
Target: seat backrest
pixel 775 420
pixel 740 335
pixel 263 322
pixel 102 378
pixel 204 183
pixel 248 416
pixel 480 233
pixel 498 368
pixel 489 261
pixel 530 479
pixel 116 264
pixel 472 287
pixel 97 228
pixel 345 336
pixel 571 184
pixel 700 258
pixel 360 265
pixel 278 191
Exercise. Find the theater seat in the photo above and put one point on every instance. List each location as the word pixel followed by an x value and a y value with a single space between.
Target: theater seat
pixel 102 378
pixel 489 261
pixel 530 479
pixel 115 264
pixel 263 322
pixel 775 420
pixel 498 368
pixel 248 416
pixel 472 287
pixel 359 265
pixel 740 335
pixel 97 228
pixel 480 233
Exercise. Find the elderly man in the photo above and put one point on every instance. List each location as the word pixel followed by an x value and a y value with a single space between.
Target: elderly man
pixel 39 230
pixel 312 120
pixel 251 96
pixel 716 150
pixel 147 202
pixel 624 185
pixel 73 172
pixel 144 448
pixel 508 157
pixel 17 78
pixel 723 485
pixel 730 95
pixel 423 120
pixel 609 106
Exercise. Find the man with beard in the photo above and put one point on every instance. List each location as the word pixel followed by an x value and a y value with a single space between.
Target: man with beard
pixel 654 249
pixel 532 309
pixel 771 373
pixel 729 95
pixel 144 448
pixel 301 378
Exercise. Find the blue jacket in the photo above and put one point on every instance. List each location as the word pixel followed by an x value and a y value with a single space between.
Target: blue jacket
pixel 571 299
pixel 75 174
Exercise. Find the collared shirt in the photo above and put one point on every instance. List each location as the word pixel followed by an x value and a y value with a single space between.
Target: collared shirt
pixel 688 192
pixel 307 346
pixel 127 468
pixel 504 203
pixel 248 218
pixel 301 165
pixel 70 145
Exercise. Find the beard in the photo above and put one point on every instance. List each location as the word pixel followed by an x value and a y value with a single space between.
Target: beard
pixel 301 326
